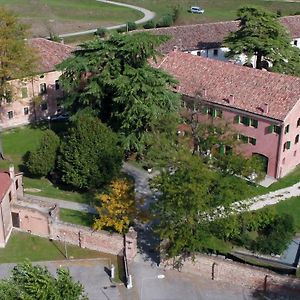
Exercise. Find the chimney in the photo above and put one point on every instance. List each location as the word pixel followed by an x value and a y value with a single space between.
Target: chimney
pixel 11 171
pixel 266 108
pixel 231 99
pixel 204 92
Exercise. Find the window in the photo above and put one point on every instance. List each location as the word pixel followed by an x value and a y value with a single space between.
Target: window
pixel 44 106
pixel 287 129
pixel 274 128
pixel 57 84
pixel 298 122
pixel 17 184
pixel 253 123
pixel 10 114
pixel 199 53
pixel 246 121
pixel 295 152
pixel 295 42
pixel 215 113
pixel 297 139
pixel 252 141
pixel 216 52
pixel 26 111
pixel 9 197
pixel 286 145
pixel 24 92
pixel 43 88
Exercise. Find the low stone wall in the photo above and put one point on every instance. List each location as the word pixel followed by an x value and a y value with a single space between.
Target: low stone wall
pixel 219 269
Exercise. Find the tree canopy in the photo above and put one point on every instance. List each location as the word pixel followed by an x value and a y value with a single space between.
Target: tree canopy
pixel 90 155
pixel 16 57
pixel 113 77
pixel 35 282
pixel 261 34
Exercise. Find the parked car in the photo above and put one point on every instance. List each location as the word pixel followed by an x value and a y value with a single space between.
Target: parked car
pixel 196 10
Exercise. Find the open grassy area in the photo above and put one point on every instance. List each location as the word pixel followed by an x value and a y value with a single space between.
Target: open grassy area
pixel 215 10
pixel 76 217
pixel 16 143
pixel 23 246
pixel 58 16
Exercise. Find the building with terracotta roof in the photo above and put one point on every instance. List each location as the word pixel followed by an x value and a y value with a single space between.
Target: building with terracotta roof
pixel 11 187
pixel 206 39
pixel 264 107
pixel 44 87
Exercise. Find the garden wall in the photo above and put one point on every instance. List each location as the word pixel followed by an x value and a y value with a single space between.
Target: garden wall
pixel 102 241
pixel 220 269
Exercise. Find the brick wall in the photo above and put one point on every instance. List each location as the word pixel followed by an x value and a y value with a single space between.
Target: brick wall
pixel 236 273
pixel 85 237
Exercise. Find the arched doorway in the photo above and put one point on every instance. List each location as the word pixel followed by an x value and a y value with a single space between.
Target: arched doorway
pixel 263 160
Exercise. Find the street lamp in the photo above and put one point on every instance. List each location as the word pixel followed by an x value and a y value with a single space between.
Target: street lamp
pixel 66 250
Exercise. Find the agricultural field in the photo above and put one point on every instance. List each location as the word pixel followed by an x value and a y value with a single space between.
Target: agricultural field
pixel 215 10
pixel 56 16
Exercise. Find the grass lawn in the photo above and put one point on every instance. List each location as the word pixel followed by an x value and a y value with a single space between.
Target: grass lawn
pixel 215 10
pixel 59 16
pixel 76 217
pixel 291 207
pixel 16 143
pixel 23 246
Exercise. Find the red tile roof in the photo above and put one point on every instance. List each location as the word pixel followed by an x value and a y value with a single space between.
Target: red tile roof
pixel 5 183
pixel 251 88
pixel 50 53
pixel 211 35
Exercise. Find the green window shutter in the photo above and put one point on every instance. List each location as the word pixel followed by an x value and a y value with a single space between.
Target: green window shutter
pixel 214 113
pixel 254 123
pixel 205 110
pixel 237 119
pixel 287 129
pixel 270 129
pixel 288 145
pixel 222 149
pixel 24 92
pixel 247 121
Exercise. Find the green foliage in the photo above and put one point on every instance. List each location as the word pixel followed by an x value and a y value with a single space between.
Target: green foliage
pixel 150 24
pixel 101 32
pixel 131 26
pixel 165 21
pixel 54 37
pixel 275 236
pixel 112 77
pixel 42 161
pixel 36 282
pixel 13 48
pixel 261 34
pixel 89 155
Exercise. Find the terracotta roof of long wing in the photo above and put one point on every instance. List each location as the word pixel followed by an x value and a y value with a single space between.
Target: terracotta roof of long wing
pixel 251 88
pixel 49 53
pixel 211 35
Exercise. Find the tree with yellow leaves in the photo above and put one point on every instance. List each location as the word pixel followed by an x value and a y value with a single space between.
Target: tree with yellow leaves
pixel 117 208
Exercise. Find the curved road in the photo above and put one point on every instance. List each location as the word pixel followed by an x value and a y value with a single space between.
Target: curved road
pixel 148 15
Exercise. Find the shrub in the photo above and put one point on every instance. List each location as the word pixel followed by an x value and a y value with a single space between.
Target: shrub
pixel 165 21
pixel 101 32
pixel 131 26
pixel 149 25
pixel 42 161
pixel 89 156
pixel 122 29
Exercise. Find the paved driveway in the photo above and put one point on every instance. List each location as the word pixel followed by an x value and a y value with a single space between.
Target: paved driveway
pixel 90 273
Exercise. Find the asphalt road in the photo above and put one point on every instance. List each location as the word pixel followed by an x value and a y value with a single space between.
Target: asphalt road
pixel 148 15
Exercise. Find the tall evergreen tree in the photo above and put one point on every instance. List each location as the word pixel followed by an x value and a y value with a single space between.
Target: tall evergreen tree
pixel 114 78
pixel 261 34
